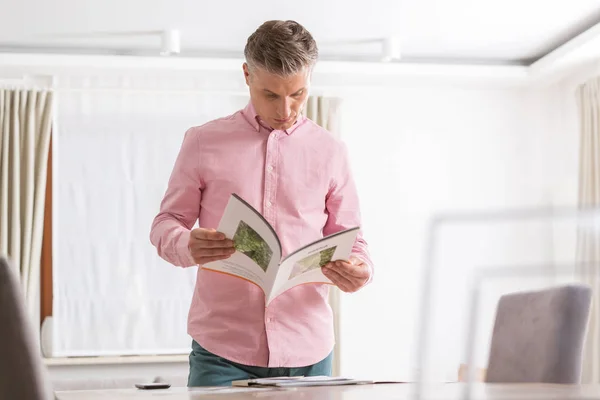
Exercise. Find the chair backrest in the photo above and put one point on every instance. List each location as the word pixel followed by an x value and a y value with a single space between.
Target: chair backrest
pixel 538 336
pixel 22 374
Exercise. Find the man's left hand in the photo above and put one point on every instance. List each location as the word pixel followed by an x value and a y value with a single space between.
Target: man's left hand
pixel 349 275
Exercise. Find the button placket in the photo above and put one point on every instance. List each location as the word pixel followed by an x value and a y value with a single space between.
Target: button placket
pixel 271 158
pixel 270 177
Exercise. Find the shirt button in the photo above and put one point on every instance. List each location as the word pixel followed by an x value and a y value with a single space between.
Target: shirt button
pixel 269 320
pixel 270 168
pixel 269 203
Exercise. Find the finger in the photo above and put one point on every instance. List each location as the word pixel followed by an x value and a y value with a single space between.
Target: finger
pixel 210 244
pixel 357 280
pixel 347 270
pixel 340 281
pixel 329 265
pixel 354 282
pixel 206 260
pixel 213 252
pixel 350 270
pixel 207 234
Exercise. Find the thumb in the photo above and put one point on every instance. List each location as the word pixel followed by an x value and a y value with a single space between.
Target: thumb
pixel 355 260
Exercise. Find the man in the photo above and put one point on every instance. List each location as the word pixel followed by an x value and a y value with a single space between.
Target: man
pixel 298 176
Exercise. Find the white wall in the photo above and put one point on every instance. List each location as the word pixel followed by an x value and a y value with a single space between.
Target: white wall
pixel 419 150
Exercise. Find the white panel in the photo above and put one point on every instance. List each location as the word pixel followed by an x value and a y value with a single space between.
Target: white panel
pixel 114 152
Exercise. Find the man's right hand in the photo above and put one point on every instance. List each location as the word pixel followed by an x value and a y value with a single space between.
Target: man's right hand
pixel 207 245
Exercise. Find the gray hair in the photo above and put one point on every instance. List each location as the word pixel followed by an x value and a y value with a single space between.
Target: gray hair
pixel 283 48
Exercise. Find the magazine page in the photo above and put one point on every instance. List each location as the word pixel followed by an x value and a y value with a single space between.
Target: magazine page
pixel 304 265
pixel 258 249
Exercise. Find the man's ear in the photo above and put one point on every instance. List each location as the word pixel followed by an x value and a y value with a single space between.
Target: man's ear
pixel 246 73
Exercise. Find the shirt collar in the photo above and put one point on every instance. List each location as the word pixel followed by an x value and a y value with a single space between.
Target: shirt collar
pixel 253 119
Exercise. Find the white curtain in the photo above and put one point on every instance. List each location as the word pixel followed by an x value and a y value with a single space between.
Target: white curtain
pixel 114 148
pixel 588 239
pixel 25 128
pixel 325 111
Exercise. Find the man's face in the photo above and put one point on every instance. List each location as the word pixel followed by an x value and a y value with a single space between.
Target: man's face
pixel 278 101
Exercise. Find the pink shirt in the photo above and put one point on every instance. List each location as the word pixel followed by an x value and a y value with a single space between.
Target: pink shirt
pixel 300 180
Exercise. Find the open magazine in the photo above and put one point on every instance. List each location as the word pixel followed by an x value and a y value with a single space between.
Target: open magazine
pixel 258 258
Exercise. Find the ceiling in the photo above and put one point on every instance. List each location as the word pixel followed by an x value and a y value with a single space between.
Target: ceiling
pixel 473 31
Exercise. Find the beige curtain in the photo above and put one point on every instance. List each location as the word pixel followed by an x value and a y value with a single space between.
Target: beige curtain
pixel 588 238
pixel 25 126
pixel 325 111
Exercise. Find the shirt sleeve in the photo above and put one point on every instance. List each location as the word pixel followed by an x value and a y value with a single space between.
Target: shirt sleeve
pixel 343 208
pixel 180 206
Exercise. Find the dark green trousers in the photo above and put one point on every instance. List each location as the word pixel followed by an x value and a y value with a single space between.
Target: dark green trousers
pixel 208 369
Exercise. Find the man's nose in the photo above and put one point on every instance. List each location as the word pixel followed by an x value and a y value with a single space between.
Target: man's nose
pixel 284 110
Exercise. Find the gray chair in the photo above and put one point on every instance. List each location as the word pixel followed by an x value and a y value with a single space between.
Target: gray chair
pixel 22 374
pixel 538 336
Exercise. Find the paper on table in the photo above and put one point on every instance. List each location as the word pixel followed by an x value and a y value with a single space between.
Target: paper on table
pixel 301 381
